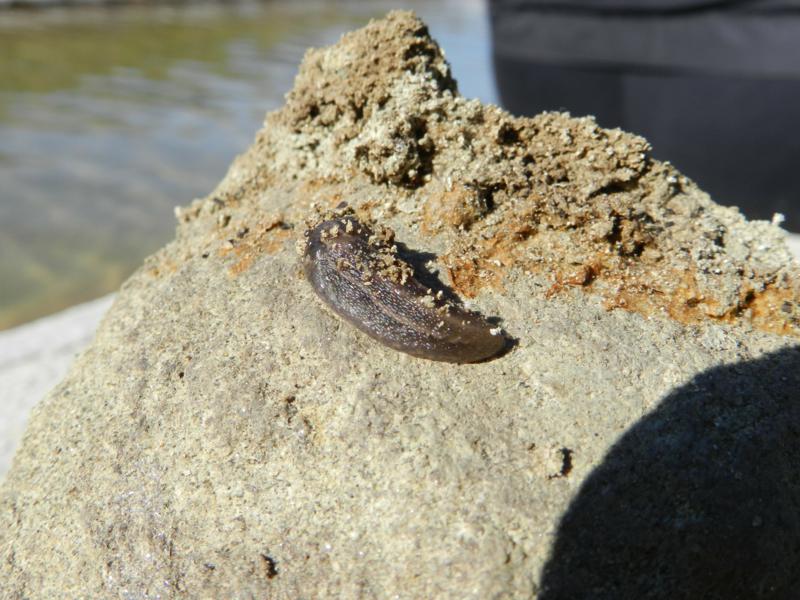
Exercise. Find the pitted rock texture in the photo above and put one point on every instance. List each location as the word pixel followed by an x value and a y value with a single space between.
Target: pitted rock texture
pixel 226 436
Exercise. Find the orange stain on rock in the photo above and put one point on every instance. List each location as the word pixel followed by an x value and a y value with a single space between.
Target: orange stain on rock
pixel 631 281
pixel 266 237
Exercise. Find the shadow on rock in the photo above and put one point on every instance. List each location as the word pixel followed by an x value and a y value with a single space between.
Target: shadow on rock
pixel 700 499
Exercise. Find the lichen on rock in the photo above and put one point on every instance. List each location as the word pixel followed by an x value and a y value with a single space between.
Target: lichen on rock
pixel 227 436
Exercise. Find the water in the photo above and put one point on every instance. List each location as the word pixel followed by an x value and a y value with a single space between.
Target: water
pixel 110 117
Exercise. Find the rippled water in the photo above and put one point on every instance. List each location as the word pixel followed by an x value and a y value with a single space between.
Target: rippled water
pixel 111 117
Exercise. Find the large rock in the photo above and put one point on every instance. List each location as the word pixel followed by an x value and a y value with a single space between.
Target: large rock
pixel 226 436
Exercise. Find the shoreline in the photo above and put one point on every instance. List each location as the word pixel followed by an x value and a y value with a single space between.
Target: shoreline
pixel 33 358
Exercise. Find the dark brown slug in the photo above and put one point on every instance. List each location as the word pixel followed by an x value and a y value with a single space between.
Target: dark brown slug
pixel 357 273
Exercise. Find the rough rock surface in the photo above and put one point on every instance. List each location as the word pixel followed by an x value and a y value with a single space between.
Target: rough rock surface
pixel 227 437
pixel 33 358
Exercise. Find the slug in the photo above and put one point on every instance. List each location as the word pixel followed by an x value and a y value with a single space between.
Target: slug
pixel 357 273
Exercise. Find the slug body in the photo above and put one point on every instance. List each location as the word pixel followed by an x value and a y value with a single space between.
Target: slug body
pixel 357 273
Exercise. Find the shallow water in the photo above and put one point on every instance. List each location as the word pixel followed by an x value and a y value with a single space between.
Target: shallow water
pixel 111 117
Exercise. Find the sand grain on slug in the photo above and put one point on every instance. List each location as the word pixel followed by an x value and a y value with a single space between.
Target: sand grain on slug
pixel 357 273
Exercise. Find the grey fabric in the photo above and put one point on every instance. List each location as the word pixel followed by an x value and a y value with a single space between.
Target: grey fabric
pixel 649 6
pixel 759 43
